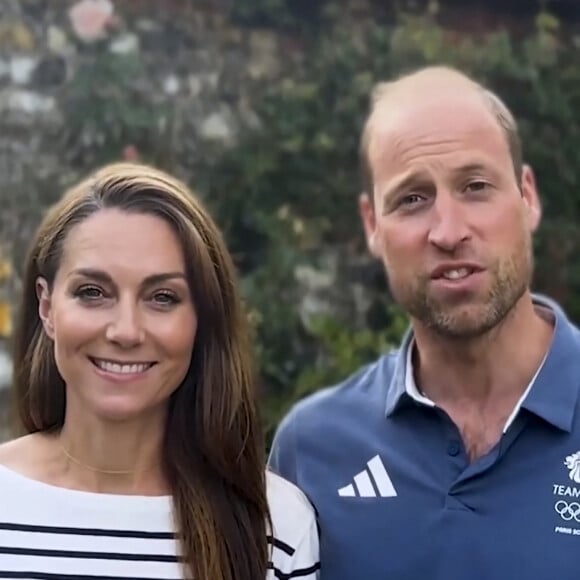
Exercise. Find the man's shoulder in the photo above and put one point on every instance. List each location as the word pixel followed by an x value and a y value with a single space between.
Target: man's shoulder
pixel 326 420
pixel 368 386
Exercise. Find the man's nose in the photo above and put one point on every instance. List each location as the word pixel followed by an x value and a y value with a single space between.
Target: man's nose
pixel 448 228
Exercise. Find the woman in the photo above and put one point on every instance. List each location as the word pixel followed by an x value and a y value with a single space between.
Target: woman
pixel 144 455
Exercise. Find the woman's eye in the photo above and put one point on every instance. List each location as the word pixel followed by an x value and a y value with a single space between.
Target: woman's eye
pixel 165 298
pixel 89 293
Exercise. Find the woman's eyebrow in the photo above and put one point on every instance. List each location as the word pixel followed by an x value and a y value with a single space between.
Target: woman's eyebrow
pixel 104 277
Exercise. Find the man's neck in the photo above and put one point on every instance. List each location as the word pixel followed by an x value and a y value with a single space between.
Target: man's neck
pixel 479 383
pixel 487 368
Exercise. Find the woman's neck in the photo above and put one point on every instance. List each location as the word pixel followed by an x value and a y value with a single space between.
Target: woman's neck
pixel 110 456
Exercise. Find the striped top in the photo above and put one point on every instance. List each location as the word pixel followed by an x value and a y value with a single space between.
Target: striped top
pixel 50 533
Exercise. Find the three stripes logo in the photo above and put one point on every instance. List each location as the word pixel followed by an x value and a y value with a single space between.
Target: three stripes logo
pixel 362 486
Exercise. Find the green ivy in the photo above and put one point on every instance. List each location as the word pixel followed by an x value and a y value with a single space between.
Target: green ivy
pixel 286 195
pixel 107 109
pixel 285 15
pixel 304 159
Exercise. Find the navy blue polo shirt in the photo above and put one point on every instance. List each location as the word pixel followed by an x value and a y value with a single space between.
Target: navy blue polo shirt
pixel 397 497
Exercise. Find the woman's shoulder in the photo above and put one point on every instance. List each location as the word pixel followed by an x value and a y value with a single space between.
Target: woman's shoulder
pixel 291 512
pixel 294 537
pixel 24 453
pixel 283 494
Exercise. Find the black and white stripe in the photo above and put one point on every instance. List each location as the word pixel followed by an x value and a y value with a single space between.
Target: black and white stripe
pixel 50 533
pixel 46 552
pixel 295 539
pixel 307 572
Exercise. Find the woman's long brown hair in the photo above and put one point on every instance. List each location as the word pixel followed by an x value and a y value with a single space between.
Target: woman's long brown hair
pixel 214 452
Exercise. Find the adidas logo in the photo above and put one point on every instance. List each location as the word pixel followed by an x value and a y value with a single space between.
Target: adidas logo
pixel 363 482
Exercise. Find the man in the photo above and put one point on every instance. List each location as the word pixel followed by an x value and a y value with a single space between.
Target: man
pixel 458 456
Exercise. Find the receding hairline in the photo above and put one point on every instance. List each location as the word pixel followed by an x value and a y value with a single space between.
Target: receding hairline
pixel 386 94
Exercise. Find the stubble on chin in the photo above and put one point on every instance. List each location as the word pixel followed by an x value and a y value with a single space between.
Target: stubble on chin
pixel 470 316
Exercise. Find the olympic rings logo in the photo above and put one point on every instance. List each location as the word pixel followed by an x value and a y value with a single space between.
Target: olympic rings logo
pixel 568 511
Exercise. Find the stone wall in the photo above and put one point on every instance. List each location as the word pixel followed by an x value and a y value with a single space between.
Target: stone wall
pixel 171 81
pixel 189 67
pixel 178 77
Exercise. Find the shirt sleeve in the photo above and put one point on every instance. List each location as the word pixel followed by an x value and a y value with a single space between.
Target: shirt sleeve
pixel 306 560
pixel 282 458
pixel 300 559
pixel 301 562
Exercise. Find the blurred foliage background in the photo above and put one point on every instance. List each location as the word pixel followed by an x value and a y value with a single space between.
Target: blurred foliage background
pixel 285 192
pixel 292 186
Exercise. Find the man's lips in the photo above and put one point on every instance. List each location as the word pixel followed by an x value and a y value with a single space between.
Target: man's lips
pixel 455 270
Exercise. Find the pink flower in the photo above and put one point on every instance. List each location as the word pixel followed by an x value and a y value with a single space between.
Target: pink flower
pixel 90 18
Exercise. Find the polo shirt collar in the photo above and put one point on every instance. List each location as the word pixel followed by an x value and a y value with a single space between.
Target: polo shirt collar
pixel 552 394
pixel 555 391
pixel 397 394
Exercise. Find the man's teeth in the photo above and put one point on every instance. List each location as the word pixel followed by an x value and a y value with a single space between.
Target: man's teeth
pixel 457 274
pixel 122 369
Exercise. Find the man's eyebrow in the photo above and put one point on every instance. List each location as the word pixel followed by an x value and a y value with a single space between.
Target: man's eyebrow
pixel 408 179
pixel 104 277
pixel 475 167
pixel 412 178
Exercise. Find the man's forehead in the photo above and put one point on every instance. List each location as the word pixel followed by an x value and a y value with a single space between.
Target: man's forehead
pixel 433 79
pixel 428 90
pixel 415 127
pixel 432 103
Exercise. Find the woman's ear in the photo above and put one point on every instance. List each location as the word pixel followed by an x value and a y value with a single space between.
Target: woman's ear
pixel 45 306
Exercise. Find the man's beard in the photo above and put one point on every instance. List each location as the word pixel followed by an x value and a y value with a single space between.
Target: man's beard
pixel 474 315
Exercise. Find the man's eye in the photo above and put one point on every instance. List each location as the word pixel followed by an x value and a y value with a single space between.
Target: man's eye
pixel 477 186
pixel 412 199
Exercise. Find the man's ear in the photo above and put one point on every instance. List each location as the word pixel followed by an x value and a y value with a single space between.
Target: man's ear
pixel 531 197
pixel 45 306
pixel 369 219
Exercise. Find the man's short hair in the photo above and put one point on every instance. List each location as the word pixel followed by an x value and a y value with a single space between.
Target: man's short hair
pixel 495 105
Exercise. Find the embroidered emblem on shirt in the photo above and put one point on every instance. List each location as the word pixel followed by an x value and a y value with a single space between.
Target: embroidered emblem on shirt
pixel 572 462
